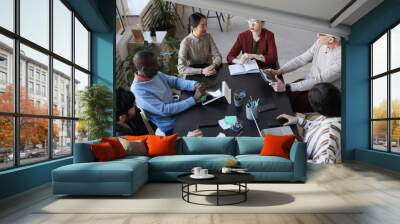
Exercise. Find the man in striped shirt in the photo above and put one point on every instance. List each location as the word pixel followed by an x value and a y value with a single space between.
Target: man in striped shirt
pixel 322 134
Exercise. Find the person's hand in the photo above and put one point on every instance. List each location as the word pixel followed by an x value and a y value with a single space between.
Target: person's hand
pixel 201 86
pixel 245 58
pixel 290 119
pixel 271 73
pixel 278 86
pixel 200 91
pixel 208 71
pixel 122 118
pixel 195 133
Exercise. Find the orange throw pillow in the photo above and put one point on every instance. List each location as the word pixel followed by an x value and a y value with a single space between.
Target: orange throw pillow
pixel 116 145
pixel 135 138
pixel 277 145
pixel 161 145
pixel 103 152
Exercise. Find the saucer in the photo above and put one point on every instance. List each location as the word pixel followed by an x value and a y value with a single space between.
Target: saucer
pixel 208 176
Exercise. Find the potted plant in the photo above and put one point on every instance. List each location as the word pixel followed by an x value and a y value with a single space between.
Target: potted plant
pixel 96 104
pixel 164 17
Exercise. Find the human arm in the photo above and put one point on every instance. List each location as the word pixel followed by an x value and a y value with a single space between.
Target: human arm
pixel 216 55
pixel 330 74
pixel 300 60
pixel 178 83
pixel 153 104
pixel 235 50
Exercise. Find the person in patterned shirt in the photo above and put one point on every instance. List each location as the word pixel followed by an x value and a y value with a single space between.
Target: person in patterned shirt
pixel 322 134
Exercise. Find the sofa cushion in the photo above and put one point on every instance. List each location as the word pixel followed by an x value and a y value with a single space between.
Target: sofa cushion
pixel 185 163
pixel 277 145
pixel 249 145
pixel 257 163
pixel 103 152
pixel 112 171
pixel 116 145
pixel 161 145
pixel 135 147
pixel 208 145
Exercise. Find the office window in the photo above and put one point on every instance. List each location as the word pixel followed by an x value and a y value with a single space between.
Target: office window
pixel 62 74
pixel 385 92
pixel 45 131
pixel 35 21
pixel 81 45
pixel 6 142
pixel 62 140
pixel 6 73
pixel 34 144
pixel 62 29
pixel 81 81
pixel 7 14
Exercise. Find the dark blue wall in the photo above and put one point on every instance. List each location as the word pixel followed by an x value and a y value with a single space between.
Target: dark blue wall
pixel 99 16
pixel 356 73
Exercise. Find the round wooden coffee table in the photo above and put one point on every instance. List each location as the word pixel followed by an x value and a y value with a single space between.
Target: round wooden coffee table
pixel 238 179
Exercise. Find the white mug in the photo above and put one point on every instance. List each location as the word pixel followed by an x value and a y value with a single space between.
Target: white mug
pixel 203 172
pixel 196 171
pixel 226 170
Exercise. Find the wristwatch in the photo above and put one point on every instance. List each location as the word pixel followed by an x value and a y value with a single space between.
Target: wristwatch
pixel 288 88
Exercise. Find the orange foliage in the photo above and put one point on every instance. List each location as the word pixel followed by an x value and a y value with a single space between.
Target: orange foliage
pixel 33 130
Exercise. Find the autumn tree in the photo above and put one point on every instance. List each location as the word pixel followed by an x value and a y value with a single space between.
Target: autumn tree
pixel 33 131
pixel 380 127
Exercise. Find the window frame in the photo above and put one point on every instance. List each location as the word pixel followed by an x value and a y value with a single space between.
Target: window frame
pixel 388 74
pixel 16 114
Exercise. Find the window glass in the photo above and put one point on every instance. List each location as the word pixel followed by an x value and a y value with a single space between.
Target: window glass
pixel 81 45
pixel 379 98
pixel 35 21
pixel 379 56
pixel 39 62
pixel 62 29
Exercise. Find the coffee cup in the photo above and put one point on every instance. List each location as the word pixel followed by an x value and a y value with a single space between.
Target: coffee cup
pixel 203 172
pixel 226 170
pixel 196 171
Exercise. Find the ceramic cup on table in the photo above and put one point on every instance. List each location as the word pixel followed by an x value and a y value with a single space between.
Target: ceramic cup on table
pixel 204 172
pixel 196 171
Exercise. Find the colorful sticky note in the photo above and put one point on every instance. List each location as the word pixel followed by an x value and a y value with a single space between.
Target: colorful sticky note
pixel 230 120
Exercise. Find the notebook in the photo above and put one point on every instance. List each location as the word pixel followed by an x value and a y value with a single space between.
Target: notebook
pixel 223 91
pixel 240 69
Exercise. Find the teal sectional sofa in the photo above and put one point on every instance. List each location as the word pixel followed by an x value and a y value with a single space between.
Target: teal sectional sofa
pixel 125 176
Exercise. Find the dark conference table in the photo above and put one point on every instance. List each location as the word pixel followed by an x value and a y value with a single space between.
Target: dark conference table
pixel 254 86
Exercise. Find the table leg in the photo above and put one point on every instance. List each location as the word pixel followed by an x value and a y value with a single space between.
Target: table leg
pixel 217 194
pixel 245 193
pixel 196 187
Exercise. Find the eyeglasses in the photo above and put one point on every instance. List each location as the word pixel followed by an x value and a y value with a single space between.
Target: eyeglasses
pixel 324 35
pixel 251 21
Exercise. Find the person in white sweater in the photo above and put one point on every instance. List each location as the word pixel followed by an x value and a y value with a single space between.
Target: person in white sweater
pixel 326 63
pixel 322 135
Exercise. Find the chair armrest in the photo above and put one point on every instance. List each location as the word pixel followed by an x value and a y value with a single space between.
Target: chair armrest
pixel 83 152
pixel 298 156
